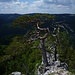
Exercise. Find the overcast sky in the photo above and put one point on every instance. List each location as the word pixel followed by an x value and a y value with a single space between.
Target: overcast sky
pixel 37 6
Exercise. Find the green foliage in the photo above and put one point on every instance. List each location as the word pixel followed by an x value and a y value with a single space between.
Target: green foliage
pixel 20 56
pixel 29 20
pixel 2 48
pixel 64 49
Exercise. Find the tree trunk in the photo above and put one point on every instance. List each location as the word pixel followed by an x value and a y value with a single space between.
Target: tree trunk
pixel 55 55
pixel 45 61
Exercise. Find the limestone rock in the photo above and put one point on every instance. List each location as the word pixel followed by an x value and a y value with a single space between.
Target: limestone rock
pixel 16 73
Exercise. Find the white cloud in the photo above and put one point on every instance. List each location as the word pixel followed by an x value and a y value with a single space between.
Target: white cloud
pixel 56 6
pixel 7 0
pixel 38 6
pixel 13 7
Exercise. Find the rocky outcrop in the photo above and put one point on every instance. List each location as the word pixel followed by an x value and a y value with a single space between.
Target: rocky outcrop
pixel 54 67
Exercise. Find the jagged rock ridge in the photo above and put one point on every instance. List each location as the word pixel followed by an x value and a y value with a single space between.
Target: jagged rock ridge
pixel 54 68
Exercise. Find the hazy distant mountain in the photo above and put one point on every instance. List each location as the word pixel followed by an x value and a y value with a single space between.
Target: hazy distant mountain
pixel 7 31
pixel 8 18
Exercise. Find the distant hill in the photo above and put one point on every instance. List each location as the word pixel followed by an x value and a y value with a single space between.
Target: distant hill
pixel 7 32
pixel 8 18
pixel 6 29
pixel 68 18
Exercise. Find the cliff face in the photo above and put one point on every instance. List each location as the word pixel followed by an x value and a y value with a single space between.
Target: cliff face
pixel 54 67
pixel 54 70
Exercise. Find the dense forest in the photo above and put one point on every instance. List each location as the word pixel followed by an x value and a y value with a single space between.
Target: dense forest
pixel 18 50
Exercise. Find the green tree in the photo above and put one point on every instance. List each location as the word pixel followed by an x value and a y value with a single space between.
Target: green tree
pixel 30 20
pixel 20 56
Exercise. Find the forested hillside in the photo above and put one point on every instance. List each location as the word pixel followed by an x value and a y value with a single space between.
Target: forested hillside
pixel 19 48
pixel 6 29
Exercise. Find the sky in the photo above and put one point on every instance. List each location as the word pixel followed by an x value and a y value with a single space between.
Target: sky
pixel 37 6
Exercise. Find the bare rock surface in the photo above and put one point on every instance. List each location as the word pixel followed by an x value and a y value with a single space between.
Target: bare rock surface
pixel 54 67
